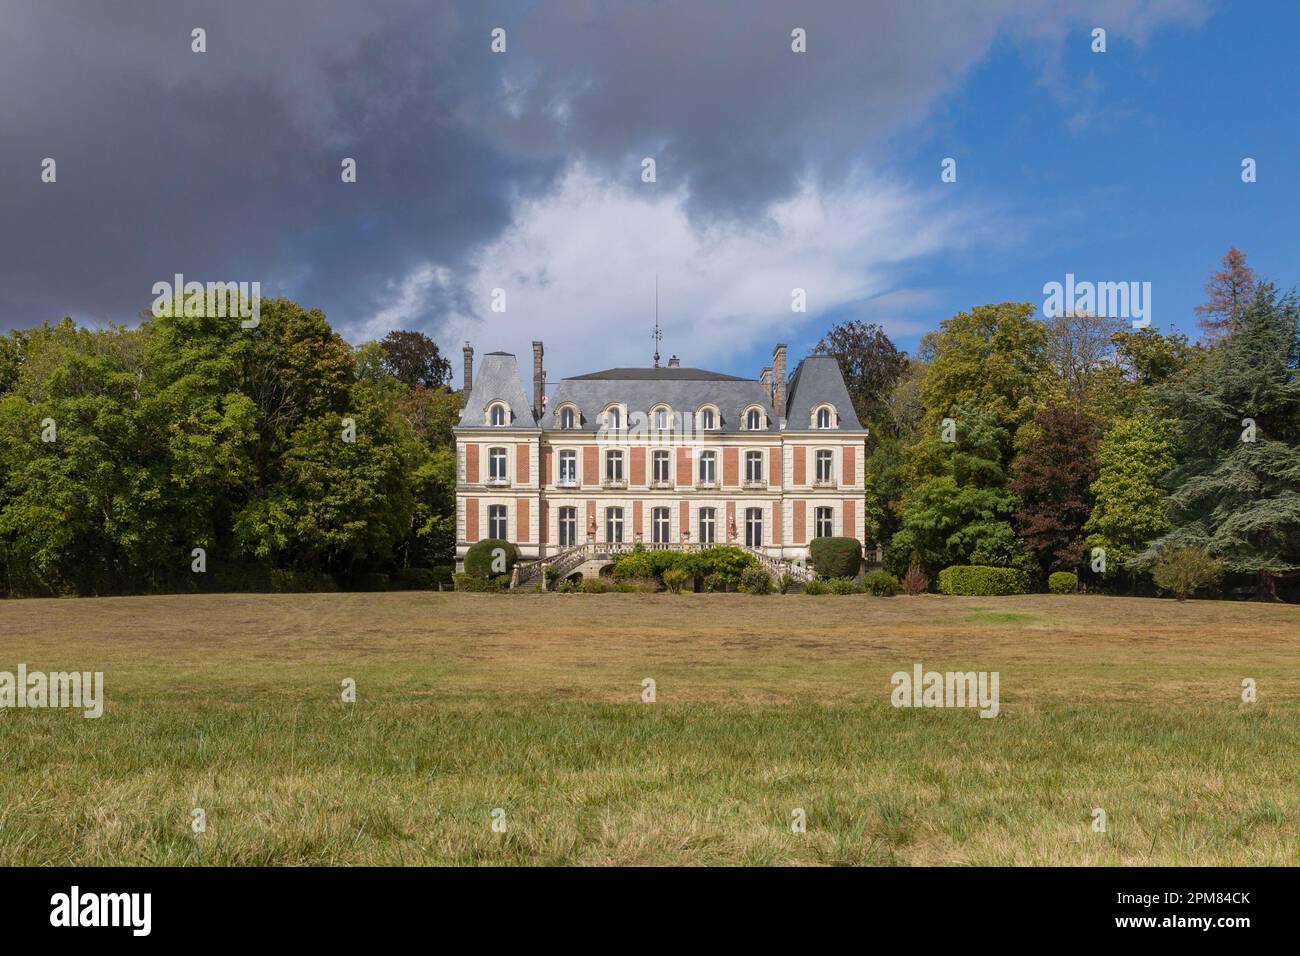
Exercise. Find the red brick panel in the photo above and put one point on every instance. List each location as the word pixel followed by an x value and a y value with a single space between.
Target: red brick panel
pixel 548 476
pixel 591 519
pixel 776 522
pixel 731 466
pixel 521 464
pixel 776 477
pixel 591 467
pixel 637 527
pixel 521 520
pixel 850 466
pixel 542 514
pixel 684 525
pixel 683 467
pixel 471 464
pixel 471 519
pixel 636 476
pixel 800 465
pixel 800 522
pixel 850 519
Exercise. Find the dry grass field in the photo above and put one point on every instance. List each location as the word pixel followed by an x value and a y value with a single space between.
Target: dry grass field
pixel 532 703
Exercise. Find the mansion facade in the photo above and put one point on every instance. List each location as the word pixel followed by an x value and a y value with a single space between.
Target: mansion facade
pixel 665 456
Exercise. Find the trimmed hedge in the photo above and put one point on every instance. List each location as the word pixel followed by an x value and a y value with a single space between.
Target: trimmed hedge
pixel 470 582
pixel 478 559
pixel 1062 582
pixel 724 561
pixel 880 583
pixel 977 580
pixel 836 557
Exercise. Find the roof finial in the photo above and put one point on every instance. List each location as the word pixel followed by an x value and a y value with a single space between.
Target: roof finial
pixel 657 335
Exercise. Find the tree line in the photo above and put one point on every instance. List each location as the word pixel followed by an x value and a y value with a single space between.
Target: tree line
pixel 1077 443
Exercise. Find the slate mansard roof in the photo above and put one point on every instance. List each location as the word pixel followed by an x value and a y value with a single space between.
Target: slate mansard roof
pixel 816 381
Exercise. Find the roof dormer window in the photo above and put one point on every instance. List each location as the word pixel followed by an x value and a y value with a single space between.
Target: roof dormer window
pixel 825 417
pixel 497 415
pixel 754 419
pixel 568 417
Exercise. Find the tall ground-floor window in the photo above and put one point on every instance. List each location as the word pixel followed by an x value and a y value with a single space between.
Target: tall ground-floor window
pixel 708 525
pixel 659 522
pixel 822 524
pixel 497 521
pixel 753 527
pixel 568 527
pixel 614 525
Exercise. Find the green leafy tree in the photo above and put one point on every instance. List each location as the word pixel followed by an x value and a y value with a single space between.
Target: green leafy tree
pixel 1133 460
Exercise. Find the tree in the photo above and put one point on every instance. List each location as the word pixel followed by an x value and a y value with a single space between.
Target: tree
pixel 1081 348
pixel 1134 457
pixel 871 366
pixel 1230 293
pixel 1052 478
pixel 1238 488
pixel 415 360
pixel 1184 571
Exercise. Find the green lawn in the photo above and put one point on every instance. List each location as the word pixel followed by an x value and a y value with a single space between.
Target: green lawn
pixel 532 703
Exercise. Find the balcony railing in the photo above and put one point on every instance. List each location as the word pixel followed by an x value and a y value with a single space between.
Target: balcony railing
pixel 567 483
pixel 497 482
pixel 614 483
pixel 754 483
pixel 824 483
pixel 661 483
pixel 707 484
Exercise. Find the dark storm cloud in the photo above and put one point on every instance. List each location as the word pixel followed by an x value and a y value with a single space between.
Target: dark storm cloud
pixel 225 165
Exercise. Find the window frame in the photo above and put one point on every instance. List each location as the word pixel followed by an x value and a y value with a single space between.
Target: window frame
pixel 502 513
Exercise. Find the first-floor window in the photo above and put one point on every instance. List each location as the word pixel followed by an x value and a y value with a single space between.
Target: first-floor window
pixel 568 467
pixel 708 466
pixel 659 524
pixel 497 521
pixel 753 466
pixel 613 466
pixel 754 527
pixel 822 523
pixel 708 525
pixel 614 525
pixel 497 464
pixel 568 527
pixel 660 461
pixel 825 461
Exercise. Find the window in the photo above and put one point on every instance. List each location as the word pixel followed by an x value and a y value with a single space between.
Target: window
pixel 825 465
pixel 497 521
pixel 659 524
pixel 823 418
pixel 498 415
pixel 708 525
pixel 568 418
pixel 568 467
pixel 662 419
pixel 614 525
pixel 660 462
pixel 708 466
pixel 568 527
pixel 753 466
pixel 613 466
pixel 754 419
pixel 613 419
pixel 822 523
pixel 708 420
pixel 754 527
pixel 497 464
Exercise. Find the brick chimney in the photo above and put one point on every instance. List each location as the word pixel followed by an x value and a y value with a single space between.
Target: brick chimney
pixel 778 380
pixel 765 379
pixel 539 382
pixel 469 369
pixel 674 362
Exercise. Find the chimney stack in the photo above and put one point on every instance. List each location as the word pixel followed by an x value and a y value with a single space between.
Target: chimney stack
pixel 765 379
pixel 674 362
pixel 539 382
pixel 778 380
pixel 469 369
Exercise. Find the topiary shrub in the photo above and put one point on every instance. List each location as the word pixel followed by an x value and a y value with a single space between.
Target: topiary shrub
pixel 482 555
pixel 880 583
pixel 836 557
pixel 675 579
pixel 916 581
pixel 816 586
pixel 977 580
pixel 1184 571
pixel 756 581
pixel 1062 582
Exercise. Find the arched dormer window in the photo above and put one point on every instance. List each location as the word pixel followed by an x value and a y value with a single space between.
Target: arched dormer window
pixel 708 419
pixel 754 419
pixel 568 417
pixel 613 418
pixel 825 417
pixel 662 418
pixel 497 414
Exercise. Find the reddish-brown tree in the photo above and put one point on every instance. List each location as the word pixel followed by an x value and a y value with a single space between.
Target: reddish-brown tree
pixel 1052 478
pixel 1230 291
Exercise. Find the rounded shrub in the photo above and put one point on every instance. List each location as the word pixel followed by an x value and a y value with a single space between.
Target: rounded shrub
pixel 756 581
pixel 816 586
pixel 880 583
pixel 1062 582
pixel 836 557
pixel 675 579
pixel 845 586
pixel 481 555
pixel 977 580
